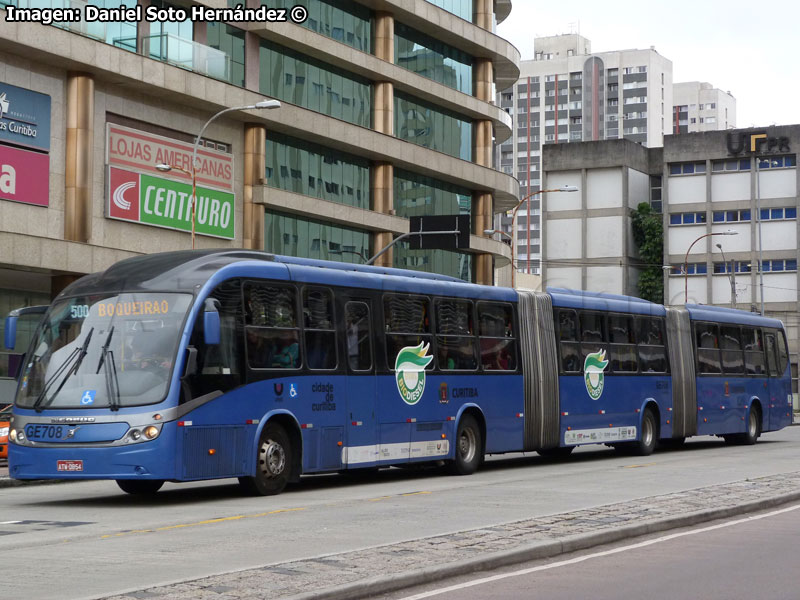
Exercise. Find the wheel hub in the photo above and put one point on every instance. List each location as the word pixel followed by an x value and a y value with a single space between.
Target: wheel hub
pixel 272 458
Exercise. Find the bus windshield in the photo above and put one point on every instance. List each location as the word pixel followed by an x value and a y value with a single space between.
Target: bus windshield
pixel 103 351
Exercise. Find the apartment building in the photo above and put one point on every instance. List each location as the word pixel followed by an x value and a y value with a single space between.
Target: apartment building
pixel 699 106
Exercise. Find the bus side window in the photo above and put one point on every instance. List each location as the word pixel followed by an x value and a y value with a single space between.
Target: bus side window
pixel 592 333
pixel 622 348
pixel 772 354
pixel 406 322
pixel 320 335
pixel 650 344
pixel 753 342
pixel 219 367
pixel 569 348
pixel 273 333
pixel 359 339
pixel 497 342
pixel 455 341
pixel 732 355
pixel 707 344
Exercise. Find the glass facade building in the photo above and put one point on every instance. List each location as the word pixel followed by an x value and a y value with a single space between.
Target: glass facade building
pixel 312 170
pixel 431 58
pixel 307 238
pixel 301 80
pixel 435 128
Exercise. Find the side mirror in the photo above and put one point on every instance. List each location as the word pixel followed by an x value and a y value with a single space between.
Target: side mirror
pixel 11 322
pixel 211 323
pixel 11 332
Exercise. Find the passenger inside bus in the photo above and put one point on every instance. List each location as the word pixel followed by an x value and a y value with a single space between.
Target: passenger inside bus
pixel 287 351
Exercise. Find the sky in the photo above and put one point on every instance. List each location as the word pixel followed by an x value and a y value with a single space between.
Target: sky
pixel 747 48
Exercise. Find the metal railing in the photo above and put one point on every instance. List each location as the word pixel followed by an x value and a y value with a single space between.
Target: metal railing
pixel 188 54
pixel 93 29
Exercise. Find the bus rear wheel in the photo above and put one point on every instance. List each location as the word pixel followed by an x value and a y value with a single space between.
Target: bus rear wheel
pixel 751 434
pixel 140 487
pixel 469 447
pixel 273 463
pixel 646 443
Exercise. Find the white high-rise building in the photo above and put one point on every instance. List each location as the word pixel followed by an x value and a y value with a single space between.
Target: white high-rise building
pixel 569 94
pixel 699 106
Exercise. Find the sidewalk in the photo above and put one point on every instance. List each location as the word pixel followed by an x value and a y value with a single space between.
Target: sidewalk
pixel 379 570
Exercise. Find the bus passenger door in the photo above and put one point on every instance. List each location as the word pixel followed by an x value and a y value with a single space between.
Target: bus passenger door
pixel 361 448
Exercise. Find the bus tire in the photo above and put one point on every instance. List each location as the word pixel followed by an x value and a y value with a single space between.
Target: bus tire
pixel 557 452
pixel 469 447
pixel 140 487
pixel 273 463
pixel 646 443
pixel 753 431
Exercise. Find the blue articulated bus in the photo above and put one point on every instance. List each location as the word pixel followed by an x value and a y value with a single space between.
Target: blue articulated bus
pixel 197 365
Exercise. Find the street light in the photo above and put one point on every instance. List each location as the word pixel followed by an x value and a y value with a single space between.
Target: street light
pixel 491 232
pixel 563 188
pixel 686 260
pixel 731 275
pixel 165 168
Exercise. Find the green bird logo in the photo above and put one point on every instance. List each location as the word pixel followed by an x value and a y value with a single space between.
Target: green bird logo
pixel 410 371
pixel 593 375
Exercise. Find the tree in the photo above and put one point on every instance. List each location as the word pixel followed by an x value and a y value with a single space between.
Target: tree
pixel 648 235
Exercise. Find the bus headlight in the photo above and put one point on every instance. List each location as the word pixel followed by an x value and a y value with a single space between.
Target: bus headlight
pixel 151 432
pixel 13 435
pixel 16 435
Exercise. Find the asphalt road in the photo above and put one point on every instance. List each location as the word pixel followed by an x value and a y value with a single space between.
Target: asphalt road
pixel 745 557
pixel 89 539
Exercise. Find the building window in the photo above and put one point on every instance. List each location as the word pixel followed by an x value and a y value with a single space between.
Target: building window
pixel 725 267
pixel 731 216
pixel 692 218
pixel 426 125
pixel 293 77
pixel 778 162
pixel 431 58
pixel 778 214
pixel 296 236
pixel 691 269
pixel 742 164
pixel 229 40
pixel 687 168
pixel 778 265
pixel 342 20
pixel 313 170
pixel 460 8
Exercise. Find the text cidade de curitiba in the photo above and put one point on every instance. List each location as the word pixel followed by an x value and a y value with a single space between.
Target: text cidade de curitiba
pixel 152 14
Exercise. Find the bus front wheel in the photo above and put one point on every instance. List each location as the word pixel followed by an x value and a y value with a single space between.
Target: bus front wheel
pixel 469 447
pixel 273 463
pixel 646 443
pixel 140 487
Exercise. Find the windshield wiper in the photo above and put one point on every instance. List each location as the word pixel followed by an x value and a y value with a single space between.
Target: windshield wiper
pixel 104 350
pixel 112 382
pixel 80 353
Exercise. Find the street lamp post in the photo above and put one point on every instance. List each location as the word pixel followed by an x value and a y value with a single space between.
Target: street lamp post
pixel 193 173
pixel 563 188
pixel 731 275
pixel 686 260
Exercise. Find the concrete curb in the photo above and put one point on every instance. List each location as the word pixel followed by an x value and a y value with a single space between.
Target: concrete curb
pixel 536 551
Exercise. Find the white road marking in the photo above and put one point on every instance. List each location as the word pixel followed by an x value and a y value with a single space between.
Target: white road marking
pixel 9 522
pixel 579 559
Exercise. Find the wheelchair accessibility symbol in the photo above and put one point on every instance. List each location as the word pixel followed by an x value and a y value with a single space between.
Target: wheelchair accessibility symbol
pixel 88 397
pixel 292 390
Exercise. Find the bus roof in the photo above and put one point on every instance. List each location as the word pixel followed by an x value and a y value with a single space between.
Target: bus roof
pixel 183 271
pixel 721 314
pixel 603 301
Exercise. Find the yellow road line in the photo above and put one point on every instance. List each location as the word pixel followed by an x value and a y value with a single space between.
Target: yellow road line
pixel 639 466
pixel 197 523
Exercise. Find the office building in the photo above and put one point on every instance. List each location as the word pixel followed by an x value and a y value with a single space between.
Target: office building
pixel 387 111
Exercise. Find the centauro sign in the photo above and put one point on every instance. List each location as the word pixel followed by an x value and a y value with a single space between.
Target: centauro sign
pixel 164 203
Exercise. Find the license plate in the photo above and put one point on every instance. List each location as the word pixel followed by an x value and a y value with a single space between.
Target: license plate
pixel 69 466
